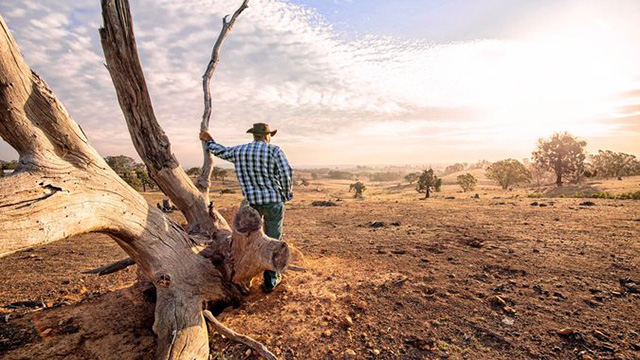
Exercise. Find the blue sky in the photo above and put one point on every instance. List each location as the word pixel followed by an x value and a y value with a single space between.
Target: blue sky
pixel 357 82
pixel 434 21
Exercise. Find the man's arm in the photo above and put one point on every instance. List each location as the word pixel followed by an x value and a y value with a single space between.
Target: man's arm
pixel 218 150
pixel 286 174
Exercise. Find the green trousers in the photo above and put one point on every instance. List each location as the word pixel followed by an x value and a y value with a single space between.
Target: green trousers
pixel 273 215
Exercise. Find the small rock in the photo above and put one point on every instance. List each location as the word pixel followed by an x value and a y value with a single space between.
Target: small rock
pixel 543 205
pixel 377 224
pixel 349 354
pixel 323 203
pixel 509 310
pixel 497 301
pixel 347 321
pixel 508 321
pixel 566 332
pixel 375 352
pixel 630 285
pixel 583 355
pixel 327 333
pixel 34 304
pixel 535 203
pixel 559 295
pixel 46 332
pixel 600 335
pixel 588 203
pixel 247 353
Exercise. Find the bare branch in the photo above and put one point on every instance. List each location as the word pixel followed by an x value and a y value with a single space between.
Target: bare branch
pixel 204 180
pixel 111 268
pixel 149 139
pixel 243 339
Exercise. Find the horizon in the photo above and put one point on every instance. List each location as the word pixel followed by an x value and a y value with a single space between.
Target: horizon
pixel 353 82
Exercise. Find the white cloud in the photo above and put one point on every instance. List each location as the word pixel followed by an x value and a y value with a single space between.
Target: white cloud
pixel 284 64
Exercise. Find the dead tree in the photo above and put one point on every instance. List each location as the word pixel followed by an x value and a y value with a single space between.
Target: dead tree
pixel 63 187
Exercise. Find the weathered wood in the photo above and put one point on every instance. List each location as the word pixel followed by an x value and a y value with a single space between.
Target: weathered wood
pixel 149 139
pixel 204 180
pixel 63 187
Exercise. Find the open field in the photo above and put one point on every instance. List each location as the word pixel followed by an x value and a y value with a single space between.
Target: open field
pixel 463 278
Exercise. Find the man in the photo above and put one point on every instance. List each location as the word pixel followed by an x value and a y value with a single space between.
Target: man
pixel 265 178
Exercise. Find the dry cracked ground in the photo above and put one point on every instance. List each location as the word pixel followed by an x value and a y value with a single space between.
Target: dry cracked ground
pixel 389 277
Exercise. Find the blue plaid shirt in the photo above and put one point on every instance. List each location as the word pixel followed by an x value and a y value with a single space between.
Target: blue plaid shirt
pixel 263 171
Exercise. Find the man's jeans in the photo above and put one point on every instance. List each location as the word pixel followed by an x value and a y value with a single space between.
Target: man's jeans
pixel 273 219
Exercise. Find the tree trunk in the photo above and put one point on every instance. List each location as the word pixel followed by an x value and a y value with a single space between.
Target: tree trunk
pixel 558 179
pixel 426 193
pixel 63 187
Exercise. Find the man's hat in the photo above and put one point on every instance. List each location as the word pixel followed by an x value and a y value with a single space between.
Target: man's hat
pixel 261 129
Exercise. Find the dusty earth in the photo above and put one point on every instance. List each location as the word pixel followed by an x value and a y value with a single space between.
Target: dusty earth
pixel 390 277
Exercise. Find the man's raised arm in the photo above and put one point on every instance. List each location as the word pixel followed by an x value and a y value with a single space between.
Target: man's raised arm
pixel 218 150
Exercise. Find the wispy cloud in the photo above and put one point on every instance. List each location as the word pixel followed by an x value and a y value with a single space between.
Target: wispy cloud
pixel 336 98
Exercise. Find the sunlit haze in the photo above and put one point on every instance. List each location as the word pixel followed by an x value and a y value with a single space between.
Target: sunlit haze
pixel 356 82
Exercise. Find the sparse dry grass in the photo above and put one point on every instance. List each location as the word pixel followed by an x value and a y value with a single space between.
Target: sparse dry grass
pixel 417 289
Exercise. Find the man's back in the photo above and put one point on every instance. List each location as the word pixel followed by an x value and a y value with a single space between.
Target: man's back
pixel 263 171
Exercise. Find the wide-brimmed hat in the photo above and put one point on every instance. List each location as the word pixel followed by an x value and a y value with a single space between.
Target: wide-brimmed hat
pixel 261 129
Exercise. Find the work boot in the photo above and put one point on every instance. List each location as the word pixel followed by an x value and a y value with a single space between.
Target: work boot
pixel 271 281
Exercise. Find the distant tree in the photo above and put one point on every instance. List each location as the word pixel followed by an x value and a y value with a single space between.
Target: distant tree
pixel 482 164
pixel 215 172
pixel 7 165
pixel 412 177
pixel 428 181
pixel 127 168
pixel 304 182
pixel 385 176
pixel 340 175
pixel 454 168
pixel 467 182
pixel 563 154
pixel 194 171
pixel 507 173
pixel 539 175
pixel 121 163
pixel 223 174
pixel 438 185
pixel 314 175
pixel 359 188
pixel 608 164
pixel 145 180
pixel 130 178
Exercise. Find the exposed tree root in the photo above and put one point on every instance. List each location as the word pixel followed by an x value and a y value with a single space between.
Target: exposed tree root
pixel 243 339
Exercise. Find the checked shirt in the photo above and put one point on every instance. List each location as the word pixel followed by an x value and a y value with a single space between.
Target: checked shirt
pixel 263 171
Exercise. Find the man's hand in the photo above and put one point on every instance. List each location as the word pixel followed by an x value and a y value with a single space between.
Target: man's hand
pixel 205 136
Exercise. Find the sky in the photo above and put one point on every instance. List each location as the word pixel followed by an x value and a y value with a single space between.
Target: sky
pixel 352 81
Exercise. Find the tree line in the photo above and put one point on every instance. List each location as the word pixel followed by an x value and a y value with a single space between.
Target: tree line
pixel 562 158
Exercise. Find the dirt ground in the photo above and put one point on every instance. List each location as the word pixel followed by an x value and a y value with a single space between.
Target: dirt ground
pixel 388 277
